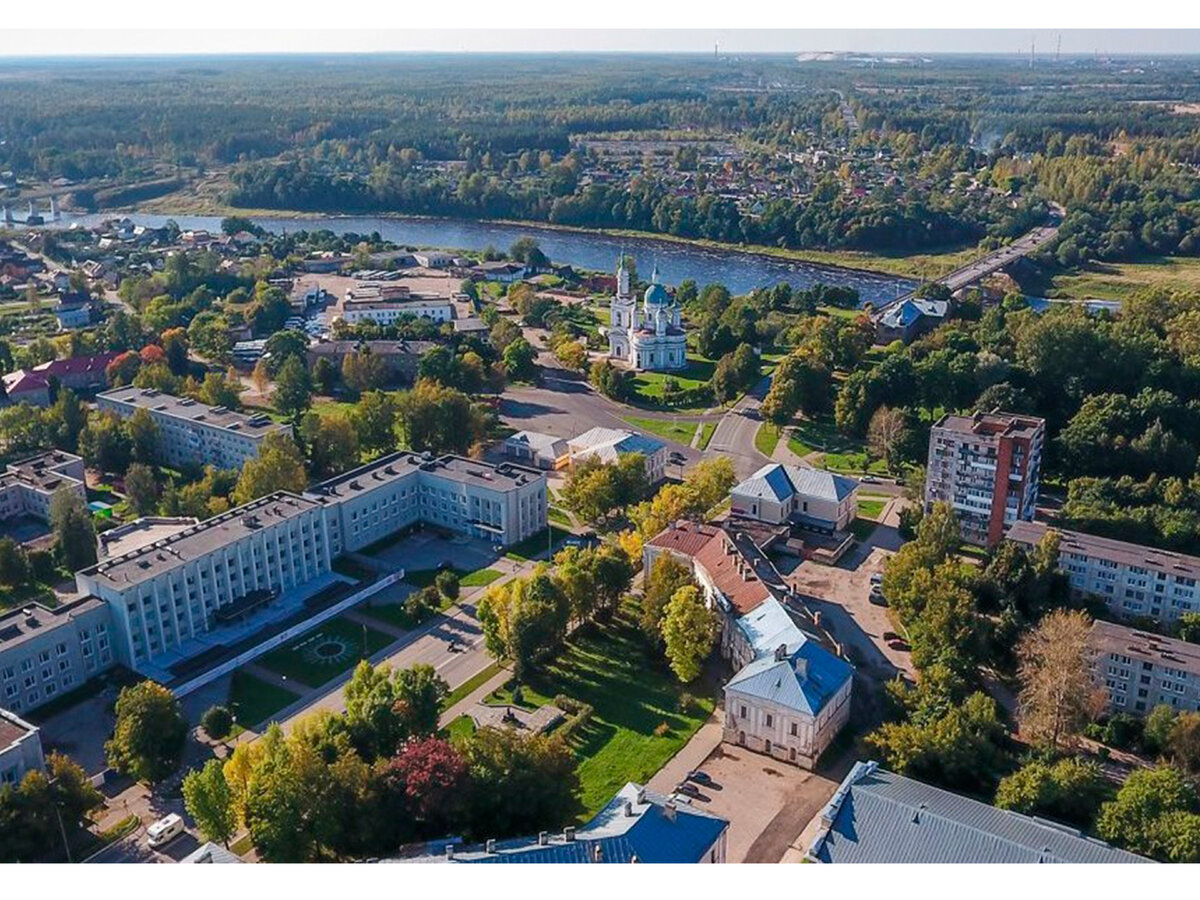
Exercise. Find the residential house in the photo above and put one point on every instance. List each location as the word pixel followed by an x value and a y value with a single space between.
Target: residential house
pixel 609 444
pixel 808 498
pixel 909 319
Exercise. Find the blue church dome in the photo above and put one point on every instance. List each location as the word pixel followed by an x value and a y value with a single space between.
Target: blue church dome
pixel 656 295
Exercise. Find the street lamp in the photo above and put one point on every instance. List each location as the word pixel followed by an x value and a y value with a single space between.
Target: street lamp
pixel 58 815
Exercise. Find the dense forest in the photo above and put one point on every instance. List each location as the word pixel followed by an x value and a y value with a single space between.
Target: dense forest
pixel 847 154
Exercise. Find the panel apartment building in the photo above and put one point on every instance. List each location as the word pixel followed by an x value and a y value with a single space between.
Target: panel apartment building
pixel 987 467
pixel 28 486
pixel 1134 581
pixel 1142 670
pixel 191 433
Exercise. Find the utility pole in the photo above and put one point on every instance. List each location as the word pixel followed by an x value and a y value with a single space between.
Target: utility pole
pixel 1032 50
pixel 58 815
pixel 1058 48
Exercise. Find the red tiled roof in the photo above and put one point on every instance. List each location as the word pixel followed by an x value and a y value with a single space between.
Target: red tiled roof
pixel 725 568
pixel 76 365
pixel 24 380
pixel 686 538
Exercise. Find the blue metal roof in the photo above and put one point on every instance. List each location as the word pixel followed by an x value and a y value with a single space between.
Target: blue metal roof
pixel 877 816
pixel 805 679
pixel 651 832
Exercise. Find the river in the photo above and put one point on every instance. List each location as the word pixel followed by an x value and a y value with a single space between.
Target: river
pixel 738 270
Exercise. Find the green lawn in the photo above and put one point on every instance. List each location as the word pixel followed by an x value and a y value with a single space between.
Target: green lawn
pixel 254 701
pixel 672 430
pixel 325 652
pixel 1116 281
pixel 697 372
pixel 853 463
pixel 838 452
pixel 706 433
pixel 871 507
pixel 535 544
pixel 558 516
pixel 460 729
pixel 620 743
pixel 766 438
pixel 478 578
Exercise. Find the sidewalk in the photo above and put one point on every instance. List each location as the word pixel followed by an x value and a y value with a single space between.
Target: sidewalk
pixel 692 756
pixel 783 454
pixel 467 703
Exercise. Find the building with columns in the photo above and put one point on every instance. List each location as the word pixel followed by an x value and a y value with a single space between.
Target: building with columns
pixel 649 338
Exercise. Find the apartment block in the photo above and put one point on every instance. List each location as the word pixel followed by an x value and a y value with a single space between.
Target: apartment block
pixel 191 433
pixel 987 467
pixel 1143 670
pixel 174 589
pixel 1134 581
pixel 46 652
pixel 502 503
pixel 28 486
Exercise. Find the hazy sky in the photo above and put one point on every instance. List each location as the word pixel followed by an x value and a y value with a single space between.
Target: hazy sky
pixel 69 42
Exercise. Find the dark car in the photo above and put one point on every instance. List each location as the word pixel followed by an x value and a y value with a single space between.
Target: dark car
pixel 899 644
pixel 700 777
pixel 687 789
pixel 876 598
pixel 889 636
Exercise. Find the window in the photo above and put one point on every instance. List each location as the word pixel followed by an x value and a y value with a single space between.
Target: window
pixel 742 714
pixel 795 729
pixel 770 720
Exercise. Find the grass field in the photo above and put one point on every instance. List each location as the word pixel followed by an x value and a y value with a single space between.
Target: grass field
pixel 461 728
pixel 254 701
pixel 672 430
pixel 478 578
pixel 620 744
pixel 1116 281
pixel 706 433
pixel 558 517
pixel 766 438
pixel 870 506
pixel 525 550
pixel 325 652
pixel 837 452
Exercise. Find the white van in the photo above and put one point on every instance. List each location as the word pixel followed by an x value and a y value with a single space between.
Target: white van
pixel 164 830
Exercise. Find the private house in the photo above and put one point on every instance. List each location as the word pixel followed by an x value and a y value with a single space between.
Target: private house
pixel 542 451
pixel 811 499
pixel 909 319
pixel 74 310
pixel 501 271
pixel 25 386
pixel 876 816
pixel 637 826
pixel 1134 581
pixel 789 696
pixel 610 444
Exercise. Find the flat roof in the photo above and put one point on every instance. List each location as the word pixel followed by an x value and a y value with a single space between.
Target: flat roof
pixel 194 411
pixel 23 623
pixel 1108 548
pixel 993 424
pixel 1109 637
pixel 198 540
pixel 12 730
pixel 140 532
pixel 41 471
pixel 398 465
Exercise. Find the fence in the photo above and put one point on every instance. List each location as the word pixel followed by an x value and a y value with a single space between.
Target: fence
pixel 278 640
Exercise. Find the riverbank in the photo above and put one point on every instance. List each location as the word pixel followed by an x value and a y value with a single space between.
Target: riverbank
pixel 920 266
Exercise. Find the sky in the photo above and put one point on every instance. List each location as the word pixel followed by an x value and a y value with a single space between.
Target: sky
pixel 340 36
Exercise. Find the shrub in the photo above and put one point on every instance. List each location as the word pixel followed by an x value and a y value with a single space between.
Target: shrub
pixel 447 584
pixel 662 729
pixel 217 722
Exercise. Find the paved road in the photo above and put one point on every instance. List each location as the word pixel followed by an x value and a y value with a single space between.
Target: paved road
pixel 734 435
pixel 993 262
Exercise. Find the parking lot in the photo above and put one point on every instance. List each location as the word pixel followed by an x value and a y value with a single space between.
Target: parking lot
pixel 767 802
pixel 840 594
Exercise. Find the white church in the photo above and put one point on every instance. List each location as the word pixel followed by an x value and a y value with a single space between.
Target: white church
pixel 650 338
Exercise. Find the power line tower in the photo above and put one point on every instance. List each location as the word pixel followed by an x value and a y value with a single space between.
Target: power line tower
pixel 1058 48
pixel 1032 50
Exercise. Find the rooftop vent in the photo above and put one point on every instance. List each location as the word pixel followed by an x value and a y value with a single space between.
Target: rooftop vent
pixel 569 833
pixel 543 838
pixel 490 846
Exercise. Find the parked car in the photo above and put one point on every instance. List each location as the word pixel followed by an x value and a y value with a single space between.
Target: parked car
pixel 700 777
pixel 687 789
pixel 889 636
pixel 899 644
pixel 877 579
pixel 164 830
